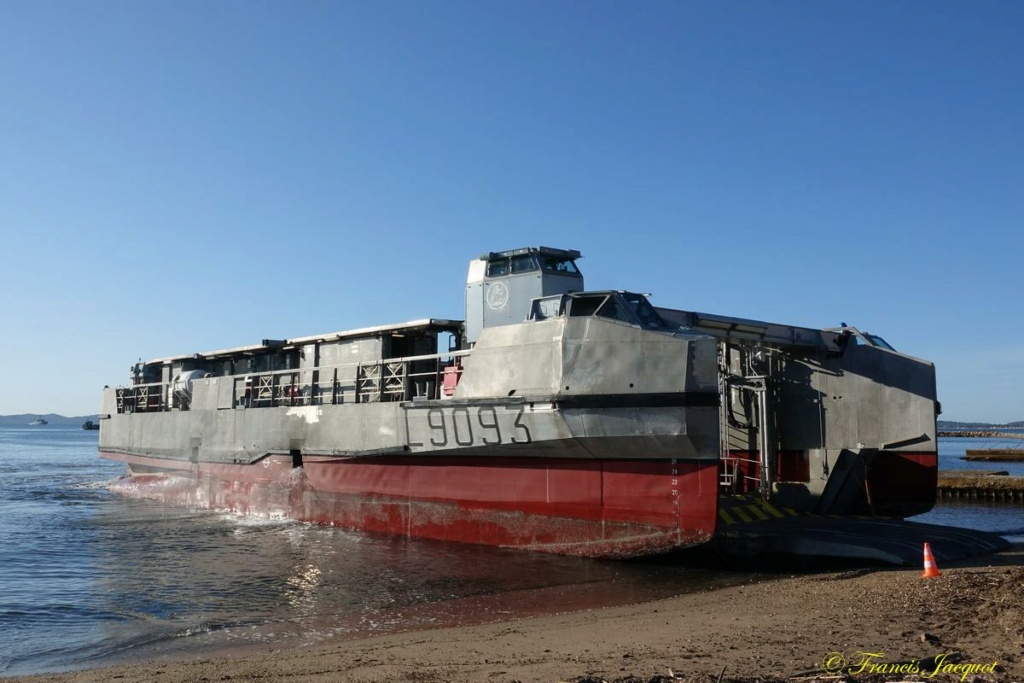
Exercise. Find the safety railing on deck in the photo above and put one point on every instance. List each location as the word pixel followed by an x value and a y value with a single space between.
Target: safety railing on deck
pixel 737 472
pixel 142 398
pixel 389 379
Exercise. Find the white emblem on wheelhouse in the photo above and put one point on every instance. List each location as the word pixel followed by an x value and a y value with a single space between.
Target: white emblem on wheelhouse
pixel 497 295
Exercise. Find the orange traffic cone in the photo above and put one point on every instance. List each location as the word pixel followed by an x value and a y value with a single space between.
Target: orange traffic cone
pixel 930 568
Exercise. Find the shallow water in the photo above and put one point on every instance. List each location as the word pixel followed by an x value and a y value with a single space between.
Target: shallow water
pixel 90 578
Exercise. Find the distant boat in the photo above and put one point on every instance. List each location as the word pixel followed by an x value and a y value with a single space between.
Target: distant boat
pixel 38 421
pixel 89 424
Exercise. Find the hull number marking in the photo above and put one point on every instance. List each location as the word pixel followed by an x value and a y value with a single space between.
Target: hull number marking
pixel 464 426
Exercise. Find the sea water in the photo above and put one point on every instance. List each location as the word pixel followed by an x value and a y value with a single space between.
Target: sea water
pixel 88 578
pixel 1005 519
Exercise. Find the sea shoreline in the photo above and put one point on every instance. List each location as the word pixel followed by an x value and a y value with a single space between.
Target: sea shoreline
pixel 763 630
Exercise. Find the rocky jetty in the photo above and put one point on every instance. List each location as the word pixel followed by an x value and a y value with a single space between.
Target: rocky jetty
pixel 981 434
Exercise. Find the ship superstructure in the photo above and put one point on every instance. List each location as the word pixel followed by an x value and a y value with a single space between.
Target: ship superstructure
pixel 551 419
pixel 830 421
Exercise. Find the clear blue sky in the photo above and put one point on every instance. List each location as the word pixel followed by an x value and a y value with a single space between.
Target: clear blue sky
pixel 187 176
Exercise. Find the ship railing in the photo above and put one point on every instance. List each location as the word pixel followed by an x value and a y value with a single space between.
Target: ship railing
pixel 735 472
pixel 141 398
pixel 396 379
pixel 382 380
pixel 377 381
pixel 269 389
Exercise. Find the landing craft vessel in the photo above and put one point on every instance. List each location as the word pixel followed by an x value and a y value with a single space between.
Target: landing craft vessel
pixel 552 419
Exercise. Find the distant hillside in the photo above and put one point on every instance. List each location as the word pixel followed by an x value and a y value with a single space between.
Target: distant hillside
pixel 53 420
pixel 951 426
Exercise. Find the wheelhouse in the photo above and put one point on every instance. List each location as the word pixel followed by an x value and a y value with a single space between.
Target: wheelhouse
pixel 626 307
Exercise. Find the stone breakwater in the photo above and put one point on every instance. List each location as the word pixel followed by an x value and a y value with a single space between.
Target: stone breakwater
pixel 995 454
pixel 995 486
pixel 982 435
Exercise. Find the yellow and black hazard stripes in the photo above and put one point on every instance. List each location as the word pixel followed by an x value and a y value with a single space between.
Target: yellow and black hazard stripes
pixel 750 511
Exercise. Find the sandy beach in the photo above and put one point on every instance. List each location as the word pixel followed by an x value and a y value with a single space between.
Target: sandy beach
pixel 967 624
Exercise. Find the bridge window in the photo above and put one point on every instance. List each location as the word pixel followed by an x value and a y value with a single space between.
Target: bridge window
pixel 602 306
pixel 523 263
pixel 497 268
pixel 583 306
pixel 614 310
pixel 644 311
pixel 548 307
pixel 559 266
pixel 878 341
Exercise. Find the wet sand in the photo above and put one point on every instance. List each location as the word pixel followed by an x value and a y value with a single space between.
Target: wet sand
pixel 780 628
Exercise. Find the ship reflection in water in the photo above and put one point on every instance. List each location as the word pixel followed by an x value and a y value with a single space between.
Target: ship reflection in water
pixel 175 581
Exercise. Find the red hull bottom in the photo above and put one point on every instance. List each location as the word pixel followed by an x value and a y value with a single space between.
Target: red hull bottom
pixel 609 508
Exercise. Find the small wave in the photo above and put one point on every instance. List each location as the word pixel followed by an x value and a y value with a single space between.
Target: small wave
pixel 55 614
pixel 94 485
pixel 197 630
pixel 113 649
pixel 243 522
